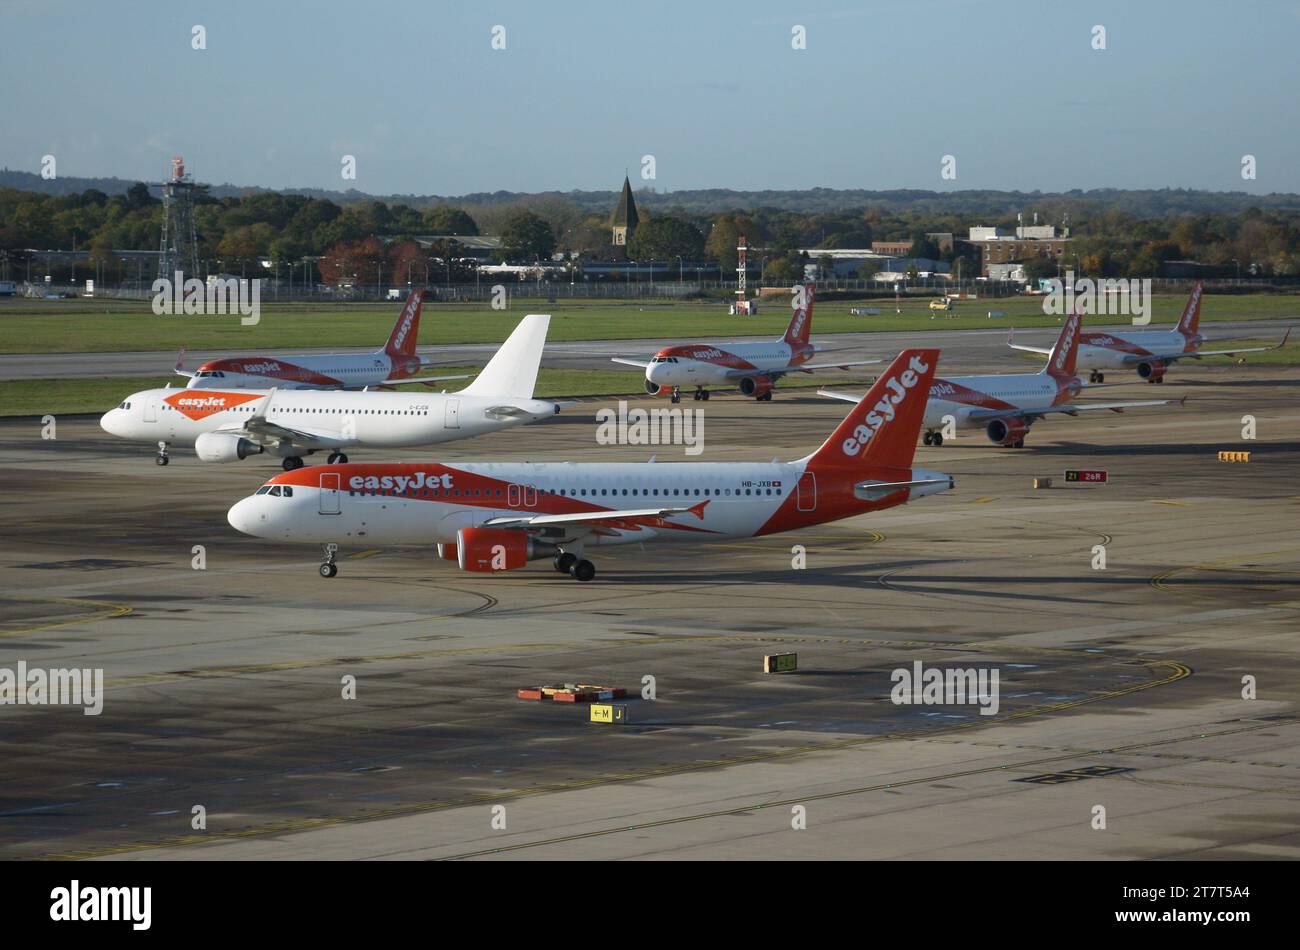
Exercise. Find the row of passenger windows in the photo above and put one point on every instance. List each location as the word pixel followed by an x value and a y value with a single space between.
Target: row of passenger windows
pixel 574 492
pixel 352 412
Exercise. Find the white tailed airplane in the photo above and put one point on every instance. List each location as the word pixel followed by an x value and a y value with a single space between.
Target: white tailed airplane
pixel 396 363
pixel 225 425
pixel 1006 405
pixel 754 368
pixel 496 516
pixel 1150 352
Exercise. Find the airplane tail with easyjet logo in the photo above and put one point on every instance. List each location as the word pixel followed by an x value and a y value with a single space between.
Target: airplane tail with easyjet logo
pixel 882 428
pixel 1189 323
pixel 1063 360
pixel 800 328
pixel 401 342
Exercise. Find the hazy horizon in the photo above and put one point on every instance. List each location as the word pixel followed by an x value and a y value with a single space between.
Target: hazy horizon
pixel 881 93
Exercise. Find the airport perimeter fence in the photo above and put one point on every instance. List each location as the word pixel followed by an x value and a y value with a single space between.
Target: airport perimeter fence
pixel 485 291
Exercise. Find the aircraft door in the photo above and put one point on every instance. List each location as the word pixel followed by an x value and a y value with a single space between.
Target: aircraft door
pixel 807 492
pixel 329 493
pixel 453 414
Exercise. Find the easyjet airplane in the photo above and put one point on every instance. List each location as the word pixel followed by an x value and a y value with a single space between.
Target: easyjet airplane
pixel 1005 406
pixel 225 425
pixel 397 362
pixel 1150 352
pixel 496 516
pixel 752 367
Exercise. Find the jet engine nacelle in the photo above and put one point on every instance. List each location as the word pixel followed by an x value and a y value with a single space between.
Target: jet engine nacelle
pixel 755 386
pixel 1006 431
pixel 654 389
pixel 448 552
pixel 496 549
pixel 1152 372
pixel 224 447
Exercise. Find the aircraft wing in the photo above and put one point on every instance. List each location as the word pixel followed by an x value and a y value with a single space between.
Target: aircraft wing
pixel 642 364
pixel 423 380
pixel 1071 409
pixel 1041 350
pixel 626 517
pixel 844 397
pixel 264 432
pixel 1200 353
pixel 804 368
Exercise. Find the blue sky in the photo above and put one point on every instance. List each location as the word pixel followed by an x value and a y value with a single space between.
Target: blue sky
pixel 713 91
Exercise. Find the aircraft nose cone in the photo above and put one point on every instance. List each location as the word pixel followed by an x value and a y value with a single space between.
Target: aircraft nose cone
pixel 243 516
pixel 108 422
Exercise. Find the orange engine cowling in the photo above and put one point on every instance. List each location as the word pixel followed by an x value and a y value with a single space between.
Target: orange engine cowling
pixel 654 389
pixel 1006 431
pixel 1152 372
pixel 755 386
pixel 497 549
pixel 448 552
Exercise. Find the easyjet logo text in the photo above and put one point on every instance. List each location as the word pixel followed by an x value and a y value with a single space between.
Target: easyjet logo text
pixel 1067 341
pixel 399 483
pixel 896 390
pixel 196 405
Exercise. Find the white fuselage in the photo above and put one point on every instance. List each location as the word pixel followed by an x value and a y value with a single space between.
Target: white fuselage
pixel 959 396
pixel 428 504
pixel 707 364
pixel 333 371
pixel 379 419
pixel 1103 351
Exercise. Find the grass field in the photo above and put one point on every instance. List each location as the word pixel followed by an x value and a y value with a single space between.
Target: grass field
pixel 85 326
pixel 36 397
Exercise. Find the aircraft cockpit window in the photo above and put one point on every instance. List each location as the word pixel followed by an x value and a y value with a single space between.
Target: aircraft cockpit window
pixel 275 490
pixel 264 489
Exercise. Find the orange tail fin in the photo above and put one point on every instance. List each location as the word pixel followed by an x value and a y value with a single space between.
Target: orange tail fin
pixel 800 328
pixel 401 342
pixel 1062 361
pixel 882 429
pixel 1190 321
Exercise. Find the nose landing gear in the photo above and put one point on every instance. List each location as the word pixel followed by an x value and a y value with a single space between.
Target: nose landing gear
pixel 677 394
pixel 162 458
pixel 328 568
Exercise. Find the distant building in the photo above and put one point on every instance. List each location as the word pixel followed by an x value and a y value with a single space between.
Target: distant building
pixel 997 247
pixel 625 216
pixel 892 248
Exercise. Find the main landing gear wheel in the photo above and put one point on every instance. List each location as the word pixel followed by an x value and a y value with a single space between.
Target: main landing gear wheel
pixel 564 562
pixel 766 397
pixel 583 570
pixel 328 568
pixel 337 458
pixel 162 458
pixel 929 438
pixel 704 394
pixel 676 396
pixel 291 463
pixel 1018 444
